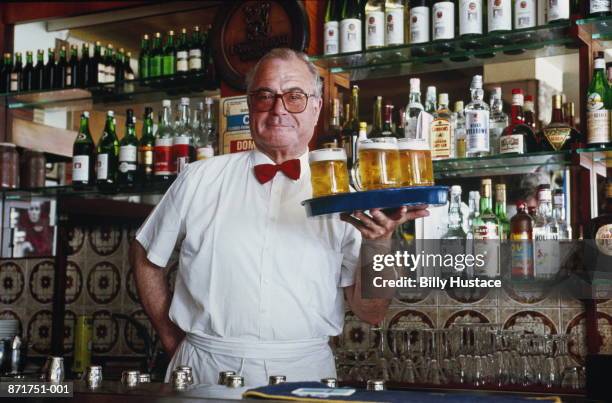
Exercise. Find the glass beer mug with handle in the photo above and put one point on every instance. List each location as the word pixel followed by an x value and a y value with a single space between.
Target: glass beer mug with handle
pixel 377 165
pixel 415 163
pixel 328 171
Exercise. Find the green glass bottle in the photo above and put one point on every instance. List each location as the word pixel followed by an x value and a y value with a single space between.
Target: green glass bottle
pixel 84 78
pixel 485 232
pixel 128 152
pixel 97 69
pixel 107 155
pixel 156 57
pixel 377 129
pixel 5 73
pixel 182 53
pixel 169 57
pixel 61 69
pixel 27 76
pixel 16 73
pixel 143 58
pixel 145 149
pixel 73 74
pixel 598 105
pixel 37 74
pixel 195 50
pixel 83 151
pixel 500 211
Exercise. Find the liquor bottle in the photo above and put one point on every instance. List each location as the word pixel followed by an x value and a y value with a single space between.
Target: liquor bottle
pixel 61 70
pixel 599 8
pixel 107 155
pixel 521 237
pixel 500 211
pixel 459 130
pixel 442 131
pixel 430 100
pixel 599 233
pixel 529 113
pixel 16 73
pixel 350 27
pixel 143 58
pixel 49 71
pixel 413 109
pixel 183 150
pixel 73 74
pixel 388 130
pixel 109 62
pixel 374 25
pixel 558 135
pixel 498 120
pixel 210 130
pixel 38 71
pixel 350 132
pixel 83 155
pixel 570 115
pixel 546 247
pixel 486 232
pixel 195 50
pixel 517 138
pixel 163 145
pixel 200 138
pixel 558 214
pixel 443 24
pixel 333 137
pixel 471 23
pixel 182 53
pixel 27 76
pixel 558 11
pixel 145 149
pixel 84 68
pixel 209 61
pixel 169 56
pixel 598 105
pixel 346 115
pixel 119 66
pixel 525 14
pixel 499 13
pixel 419 26
pixel 394 22
pixel 156 57
pixel 97 68
pixel 455 216
pixel 376 130
pixel 477 121
pixel 5 73
pixel 128 152
pixel 532 210
pixel 474 211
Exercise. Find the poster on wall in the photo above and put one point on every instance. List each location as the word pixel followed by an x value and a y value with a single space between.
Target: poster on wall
pixel 29 228
pixel 234 125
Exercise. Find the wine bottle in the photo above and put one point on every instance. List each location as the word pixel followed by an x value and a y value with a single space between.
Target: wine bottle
pixel 37 73
pixel 128 152
pixel 5 73
pixel 443 24
pixel 599 8
pixel 16 72
pixel 145 149
pixel 27 76
pixel 169 56
pixel 419 26
pixel 394 22
pixel 182 53
pixel 61 69
pixel 598 105
pixel 73 74
pixel 558 11
pixel 107 155
pixel 374 24
pixel 83 151
pixel 471 23
pixel 350 27
pixel 499 14
pixel 143 58
pixel 84 78
pixel 195 50
pixel 331 34
pixel 156 57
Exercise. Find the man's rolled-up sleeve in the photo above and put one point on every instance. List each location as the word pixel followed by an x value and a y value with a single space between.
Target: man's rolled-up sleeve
pixel 165 226
pixel 351 247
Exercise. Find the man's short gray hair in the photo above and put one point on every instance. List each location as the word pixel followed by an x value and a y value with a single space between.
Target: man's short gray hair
pixel 287 54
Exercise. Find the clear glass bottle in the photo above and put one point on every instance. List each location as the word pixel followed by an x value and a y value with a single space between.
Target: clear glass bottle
pixel 459 130
pixel 210 128
pixel 545 235
pixel 183 151
pixel 498 120
pixel 455 216
pixel 564 229
pixel 487 232
pixel 430 100
pixel 163 166
pixel 477 121
pixel 413 109
pixel 474 211
pixel 441 131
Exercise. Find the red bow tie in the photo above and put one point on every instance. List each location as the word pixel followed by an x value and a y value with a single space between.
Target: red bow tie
pixel 265 172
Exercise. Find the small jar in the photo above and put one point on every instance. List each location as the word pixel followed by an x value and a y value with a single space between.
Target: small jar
pixel 9 166
pixel 33 170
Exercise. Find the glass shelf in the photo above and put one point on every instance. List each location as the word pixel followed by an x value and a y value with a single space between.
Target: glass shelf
pixel 500 164
pixel 135 91
pixel 542 41
pixel 600 28
pixel 598 154
pixel 90 192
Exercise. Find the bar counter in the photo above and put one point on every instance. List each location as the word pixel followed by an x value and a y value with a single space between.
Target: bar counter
pixel 116 392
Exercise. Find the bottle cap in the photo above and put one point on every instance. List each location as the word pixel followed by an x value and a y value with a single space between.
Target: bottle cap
pixel 477 82
pixel 443 99
pixel 496 92
pixel 363 125
pixel 158 35
pixel 458 106
pixel 171 32
pixel 431 90
pixel 455 190
pixel 208 101
pixel 415 85
pixel 110 113
pixel 166 103
pixel 145 36
pixel 183 30
pixel 517 91
pixel 196 28
pixel 86 114
pixel 185 101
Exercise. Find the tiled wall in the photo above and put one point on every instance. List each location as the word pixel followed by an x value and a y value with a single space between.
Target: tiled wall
pixel 100 283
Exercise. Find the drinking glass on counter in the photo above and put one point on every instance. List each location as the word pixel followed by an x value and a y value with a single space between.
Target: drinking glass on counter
pixel 377 165
pixel 328 171
pixel 415 163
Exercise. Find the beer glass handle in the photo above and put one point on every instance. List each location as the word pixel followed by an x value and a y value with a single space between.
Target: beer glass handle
pixel 355 176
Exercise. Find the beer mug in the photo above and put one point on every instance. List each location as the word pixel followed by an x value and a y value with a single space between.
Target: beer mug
pixel 328 171
pixel 415 163
pixel 377 165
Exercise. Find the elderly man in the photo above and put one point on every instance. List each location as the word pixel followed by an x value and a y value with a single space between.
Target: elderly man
pixel 260 286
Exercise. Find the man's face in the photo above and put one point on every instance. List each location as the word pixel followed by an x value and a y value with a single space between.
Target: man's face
pixel 279 130
pixel 34 212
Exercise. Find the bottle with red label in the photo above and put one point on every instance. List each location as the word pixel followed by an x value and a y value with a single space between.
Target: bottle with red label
pixel 183 151
pixel 163 166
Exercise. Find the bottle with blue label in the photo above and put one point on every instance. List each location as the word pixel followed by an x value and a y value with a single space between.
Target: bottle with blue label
pixel 477 121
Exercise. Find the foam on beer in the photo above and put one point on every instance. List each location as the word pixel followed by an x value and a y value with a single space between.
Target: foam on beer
pixel 331 154
pixel 413 144
pixel 377 146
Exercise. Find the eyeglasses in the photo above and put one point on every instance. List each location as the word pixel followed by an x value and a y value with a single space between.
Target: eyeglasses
pixel 293 101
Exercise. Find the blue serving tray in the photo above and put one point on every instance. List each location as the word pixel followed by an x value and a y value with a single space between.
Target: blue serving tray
pixel 381 198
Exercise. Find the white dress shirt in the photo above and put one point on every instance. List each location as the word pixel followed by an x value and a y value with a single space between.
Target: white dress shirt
pixel 252 265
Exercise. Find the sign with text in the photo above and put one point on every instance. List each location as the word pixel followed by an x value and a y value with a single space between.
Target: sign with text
pixel 234 126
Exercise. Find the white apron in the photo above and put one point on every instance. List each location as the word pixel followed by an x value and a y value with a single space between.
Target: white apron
pixel 298 360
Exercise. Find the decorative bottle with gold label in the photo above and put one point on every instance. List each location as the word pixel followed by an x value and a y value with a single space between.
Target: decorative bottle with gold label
pixel 599 234
pixel 558 135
